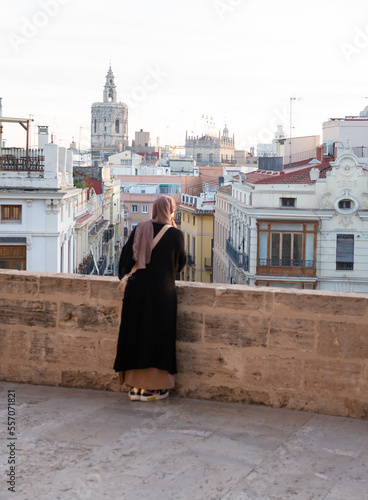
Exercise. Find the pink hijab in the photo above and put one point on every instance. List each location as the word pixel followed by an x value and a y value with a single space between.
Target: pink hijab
pixel 163 212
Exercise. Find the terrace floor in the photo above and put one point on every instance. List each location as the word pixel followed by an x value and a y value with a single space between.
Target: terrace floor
pixel 84 444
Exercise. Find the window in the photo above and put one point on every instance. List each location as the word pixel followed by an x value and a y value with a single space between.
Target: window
pixel 193 220
pixel 134 209
pixel 144 209
pixel 95 126
pixel 11 213
pixel 345 252
pixel 13 257
pixel 288 202
pixel 133 225
pixel 345 204
pixel 117 126
pixel 287 247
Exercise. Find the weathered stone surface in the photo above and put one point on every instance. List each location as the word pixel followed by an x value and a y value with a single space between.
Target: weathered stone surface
pixel 272 372
pixel 63 348
pixel 299 401
pixel 238 330
pixel 323 303
pixel 90 380
pixel 106 290
pixel 292 333
pixel 14 344
pixel 218 365
pixel 106 352
pixel 338 339
pixel 18 284
pixel 49 285
pixel 28 312
pixel 223 393
pixel 332 378
pixel 88 318
pixel 189 326
pixel 251 301
pixel 189 295
pixel 33 373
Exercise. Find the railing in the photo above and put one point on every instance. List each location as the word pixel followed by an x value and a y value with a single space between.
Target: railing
pixel 19 159
pixel 108 233
pixel 98 227
pixel 190 260
pixel 101 264
pixel 239 259
pixel 273 262
pixel 361 151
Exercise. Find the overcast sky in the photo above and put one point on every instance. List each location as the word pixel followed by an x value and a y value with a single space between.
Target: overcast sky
pixel 175 61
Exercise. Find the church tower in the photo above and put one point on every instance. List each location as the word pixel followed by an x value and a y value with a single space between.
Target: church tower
pixel 109 122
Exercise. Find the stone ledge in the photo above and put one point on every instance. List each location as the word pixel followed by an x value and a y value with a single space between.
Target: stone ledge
pixel 298 349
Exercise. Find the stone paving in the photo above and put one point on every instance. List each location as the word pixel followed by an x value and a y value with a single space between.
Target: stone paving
pixel 83 444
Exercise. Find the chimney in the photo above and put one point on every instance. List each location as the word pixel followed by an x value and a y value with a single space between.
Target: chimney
pixel 314 174
pixel 43 136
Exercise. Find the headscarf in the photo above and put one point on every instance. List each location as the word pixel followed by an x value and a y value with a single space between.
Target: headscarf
pixel 163 212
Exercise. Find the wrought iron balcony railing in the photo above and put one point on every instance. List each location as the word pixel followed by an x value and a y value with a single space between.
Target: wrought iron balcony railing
pixel 21 159
pixel 239 259
pixel 273 262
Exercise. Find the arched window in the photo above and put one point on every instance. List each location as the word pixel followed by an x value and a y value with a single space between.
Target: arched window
pixel 110 95
pixel 95 127
pixel 117 126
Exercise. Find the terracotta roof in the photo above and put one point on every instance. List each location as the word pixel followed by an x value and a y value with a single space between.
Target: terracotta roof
pixel 299 175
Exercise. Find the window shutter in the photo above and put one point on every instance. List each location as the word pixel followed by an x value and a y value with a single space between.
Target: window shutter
pixel 345 248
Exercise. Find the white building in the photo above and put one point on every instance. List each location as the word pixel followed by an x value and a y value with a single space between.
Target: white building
pixel 304 228
pixel 340 132
pixel 37 201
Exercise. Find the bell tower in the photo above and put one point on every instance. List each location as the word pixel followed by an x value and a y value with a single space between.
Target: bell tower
pixel 109 122
pixel 110 94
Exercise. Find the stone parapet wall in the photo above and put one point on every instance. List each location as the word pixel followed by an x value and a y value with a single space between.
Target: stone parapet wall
pixel 296 349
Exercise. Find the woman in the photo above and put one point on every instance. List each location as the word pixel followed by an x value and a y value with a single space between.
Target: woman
pixel 146 356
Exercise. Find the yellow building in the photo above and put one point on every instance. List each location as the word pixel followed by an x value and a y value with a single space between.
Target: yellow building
pixel 197 226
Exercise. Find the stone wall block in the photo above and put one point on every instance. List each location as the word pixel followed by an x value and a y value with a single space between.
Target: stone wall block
pixel 18 284
pixel 104 290
pixel 292 333
pixel 33 373
pixel 305 402
pixel 220 366
pixel 272 372
pixel 98 380
pixel 14 345
pixel 309 303
pixel 330 377
pixel 63 349
pixel 345 340
pixel 106 352
pixel 189 326
pixel 249 302
pixel 28 312
pixel 66 284
pixel 198 296
pixel 88 318
pixel 236 330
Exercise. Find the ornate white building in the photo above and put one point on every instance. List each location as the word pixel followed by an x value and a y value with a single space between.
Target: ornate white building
pixel 211 150
pixel 109 122
pixel 303 228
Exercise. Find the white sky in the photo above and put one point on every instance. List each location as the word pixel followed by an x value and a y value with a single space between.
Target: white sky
pixel 239 59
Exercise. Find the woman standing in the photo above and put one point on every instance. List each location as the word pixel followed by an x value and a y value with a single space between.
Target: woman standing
pixel 146 355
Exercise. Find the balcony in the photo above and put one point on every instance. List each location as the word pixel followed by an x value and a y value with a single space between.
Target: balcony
pixel 19 159
pixel 190 260
pixel 286 267
pixel 239 259
pixel 109 233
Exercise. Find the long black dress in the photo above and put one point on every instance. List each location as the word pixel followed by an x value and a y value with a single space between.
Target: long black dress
pixel 148 320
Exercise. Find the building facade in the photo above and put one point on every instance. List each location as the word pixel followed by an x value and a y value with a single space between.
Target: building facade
pixel 304 229
pixel 197 226
pixel 109 122
pixel 211 150
pixel 37 199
